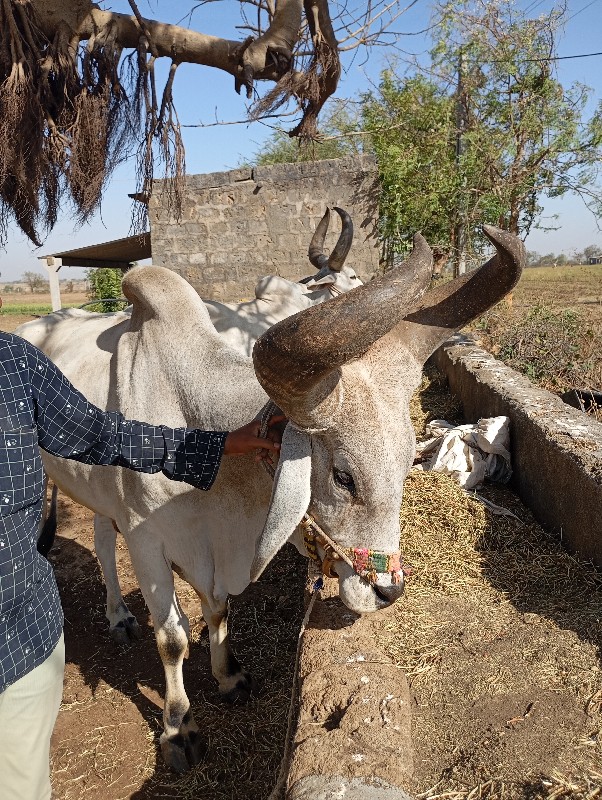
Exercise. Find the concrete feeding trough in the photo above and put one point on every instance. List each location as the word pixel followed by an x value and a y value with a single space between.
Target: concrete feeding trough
pixel 556 451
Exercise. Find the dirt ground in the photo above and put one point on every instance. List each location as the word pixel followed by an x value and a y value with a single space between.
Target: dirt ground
pixel 105 744
pixel 10 322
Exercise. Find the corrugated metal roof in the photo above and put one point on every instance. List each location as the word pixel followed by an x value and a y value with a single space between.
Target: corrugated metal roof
pixel 119 253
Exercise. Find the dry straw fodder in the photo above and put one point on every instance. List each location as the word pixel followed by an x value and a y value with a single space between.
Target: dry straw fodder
pixel 500 633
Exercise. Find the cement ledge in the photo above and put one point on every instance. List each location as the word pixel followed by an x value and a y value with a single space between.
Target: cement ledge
pixel 318 787
pixel 556 450
pixel 350 735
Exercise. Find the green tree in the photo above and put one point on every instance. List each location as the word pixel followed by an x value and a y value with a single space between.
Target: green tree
pixel 411 126
pixel 483 132
pixel 525 134
pixel 591 251
pixel 105 286
pixel 533 258
pixel 338 137
pixel 548 260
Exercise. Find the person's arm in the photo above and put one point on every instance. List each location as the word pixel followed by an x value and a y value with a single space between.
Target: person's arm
pixel 71 427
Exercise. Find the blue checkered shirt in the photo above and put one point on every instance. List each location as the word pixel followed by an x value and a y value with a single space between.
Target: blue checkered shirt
pixel 40 408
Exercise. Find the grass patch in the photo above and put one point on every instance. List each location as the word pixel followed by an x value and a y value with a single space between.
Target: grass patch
pixel 38 309
pixel 552 331
pixel 558 349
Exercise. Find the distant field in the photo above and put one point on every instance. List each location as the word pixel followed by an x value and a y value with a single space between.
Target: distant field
pixel 31 300
pixel 577 288
pixel 20 307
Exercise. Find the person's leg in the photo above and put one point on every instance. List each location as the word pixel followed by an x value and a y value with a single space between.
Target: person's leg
pixel 28 711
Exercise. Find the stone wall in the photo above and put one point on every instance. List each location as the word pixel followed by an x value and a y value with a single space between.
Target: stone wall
pixel 240 225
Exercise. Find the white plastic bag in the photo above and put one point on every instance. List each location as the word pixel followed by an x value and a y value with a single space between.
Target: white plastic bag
pixel 469 453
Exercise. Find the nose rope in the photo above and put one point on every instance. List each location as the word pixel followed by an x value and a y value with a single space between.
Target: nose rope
pixel 368 564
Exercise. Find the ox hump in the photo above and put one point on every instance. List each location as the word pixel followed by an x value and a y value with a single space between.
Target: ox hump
pixel 161 294
pixel 273 287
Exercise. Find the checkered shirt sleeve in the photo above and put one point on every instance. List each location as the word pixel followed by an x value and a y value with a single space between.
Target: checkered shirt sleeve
pixel 71 427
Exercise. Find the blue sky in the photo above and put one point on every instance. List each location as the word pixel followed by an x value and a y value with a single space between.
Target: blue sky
pixel 205 95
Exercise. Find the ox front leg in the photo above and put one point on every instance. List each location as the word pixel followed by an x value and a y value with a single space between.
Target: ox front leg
pixel 234 683
pixel 123 625
pixel 181 744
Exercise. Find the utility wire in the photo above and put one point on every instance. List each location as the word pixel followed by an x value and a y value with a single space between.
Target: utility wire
pixel 546 58
pixel 530 8
pixel 562 58
pixel 579 12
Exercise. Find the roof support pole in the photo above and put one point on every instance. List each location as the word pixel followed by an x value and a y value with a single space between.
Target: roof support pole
pixel 53 265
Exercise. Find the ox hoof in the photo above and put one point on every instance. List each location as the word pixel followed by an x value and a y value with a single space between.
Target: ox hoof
pixel 241 692
pixel 126 631
pixel 182 752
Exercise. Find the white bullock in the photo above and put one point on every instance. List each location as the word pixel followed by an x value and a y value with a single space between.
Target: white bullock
pixel 240 325
pixel 276 298
pixel 343 372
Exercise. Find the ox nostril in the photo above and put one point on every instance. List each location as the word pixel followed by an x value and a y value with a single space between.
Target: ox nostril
pixel 390 592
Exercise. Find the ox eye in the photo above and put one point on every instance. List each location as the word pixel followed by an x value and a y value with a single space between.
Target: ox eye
pixel 344 480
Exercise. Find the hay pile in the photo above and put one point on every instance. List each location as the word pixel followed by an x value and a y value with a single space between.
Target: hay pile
pixel 500 632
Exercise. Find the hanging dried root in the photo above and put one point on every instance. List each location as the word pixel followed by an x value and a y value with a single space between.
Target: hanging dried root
pixel 70 101
pixel 315 82
pixel 163 142
pixel 83 112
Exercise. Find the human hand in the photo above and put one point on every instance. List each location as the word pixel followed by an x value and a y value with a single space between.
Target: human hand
pixel 246 440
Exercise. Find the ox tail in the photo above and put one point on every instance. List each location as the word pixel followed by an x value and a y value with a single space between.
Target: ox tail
pixel 48 530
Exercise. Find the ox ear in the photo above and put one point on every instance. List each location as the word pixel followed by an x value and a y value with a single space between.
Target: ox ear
pixel 291 494
pixel 322 278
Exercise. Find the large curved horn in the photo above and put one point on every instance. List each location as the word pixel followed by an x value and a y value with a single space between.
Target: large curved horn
pixel 341 250
pixel 316 246
pixel 293 357
pixel 448 308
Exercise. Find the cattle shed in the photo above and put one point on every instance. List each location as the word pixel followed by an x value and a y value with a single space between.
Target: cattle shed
pixel 240 225
pixel 117 254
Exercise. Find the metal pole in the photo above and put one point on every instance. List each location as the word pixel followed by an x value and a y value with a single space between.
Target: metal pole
pixel 461 209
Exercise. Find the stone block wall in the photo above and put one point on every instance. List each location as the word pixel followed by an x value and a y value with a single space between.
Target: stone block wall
pixel 240 225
